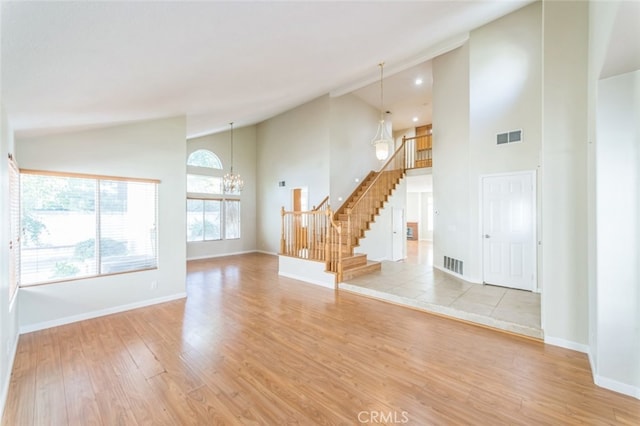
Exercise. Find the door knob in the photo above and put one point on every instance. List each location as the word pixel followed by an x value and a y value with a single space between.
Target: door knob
pixel 487 236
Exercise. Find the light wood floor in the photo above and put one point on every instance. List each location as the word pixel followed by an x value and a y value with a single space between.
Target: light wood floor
pixel 249 347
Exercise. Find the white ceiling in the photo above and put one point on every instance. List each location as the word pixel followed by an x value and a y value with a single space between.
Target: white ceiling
pixel 79 64
pixel 403 98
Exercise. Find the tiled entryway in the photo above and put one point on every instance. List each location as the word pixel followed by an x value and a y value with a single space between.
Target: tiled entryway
pixel 414 282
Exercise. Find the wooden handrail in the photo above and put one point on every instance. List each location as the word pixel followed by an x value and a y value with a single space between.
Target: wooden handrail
pixel 413 137
pixel 365 206
pixel 375 179
pixel 324 204
pixel 355 191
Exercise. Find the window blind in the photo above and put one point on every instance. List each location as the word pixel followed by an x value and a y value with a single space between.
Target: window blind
pixel 63 216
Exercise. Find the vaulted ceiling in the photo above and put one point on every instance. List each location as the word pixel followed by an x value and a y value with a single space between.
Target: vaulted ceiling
pixel 79 64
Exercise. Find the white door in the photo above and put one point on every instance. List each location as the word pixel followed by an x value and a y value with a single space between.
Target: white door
pixel 509 230
pixel 399 234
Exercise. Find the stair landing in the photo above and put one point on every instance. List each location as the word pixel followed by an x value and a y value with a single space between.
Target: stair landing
pixel 352 271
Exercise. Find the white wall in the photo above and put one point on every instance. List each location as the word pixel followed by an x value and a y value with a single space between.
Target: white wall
pixel 611 104
pixel 8 310
pixel 244 163
pixel 353 126
pixel 618 233
pixel 451 156
pixel 153 149
pixel 601 20
pixel 413 207
pixel 564 205
pixel 292 147
pixel 490 85
pixel 426 231
pixel 550 77
pixel 505 93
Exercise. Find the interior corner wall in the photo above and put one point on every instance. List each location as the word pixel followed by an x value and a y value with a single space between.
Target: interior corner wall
pixel 293 148
pixel 153 149
pixel 601 23
pixel 353 125
pixel 244 163
pixel 618 233
pixel 8 309
pixel 505 93
pixel 564 176
pixel 451 155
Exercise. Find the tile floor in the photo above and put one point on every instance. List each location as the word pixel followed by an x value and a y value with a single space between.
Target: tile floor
pixel 414 282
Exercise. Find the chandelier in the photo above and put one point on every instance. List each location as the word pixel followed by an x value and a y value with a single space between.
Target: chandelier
pixel 382 141
pixel 232 182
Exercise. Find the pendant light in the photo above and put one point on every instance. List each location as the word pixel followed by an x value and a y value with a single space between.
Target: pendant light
pixel 232 183
pixel 382 141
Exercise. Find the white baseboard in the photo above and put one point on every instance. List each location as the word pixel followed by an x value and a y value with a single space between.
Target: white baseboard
pixel 462 277
pixel 307 280
pixel 612 385
pixel 7 380
pixel 270 253
pixel 567 344
pixel 616 386
pixel 99 313
pixel 213 256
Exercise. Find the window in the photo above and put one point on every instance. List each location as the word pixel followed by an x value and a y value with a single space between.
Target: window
pixel 204 184
pixel 204 173
pixel 204 158
pixel 63 216
pixel 231 219
pixel 204 220
pixel 212 214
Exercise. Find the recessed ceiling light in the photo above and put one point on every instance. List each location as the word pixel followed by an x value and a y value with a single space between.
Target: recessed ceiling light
pixel 418 81
pixel 415 119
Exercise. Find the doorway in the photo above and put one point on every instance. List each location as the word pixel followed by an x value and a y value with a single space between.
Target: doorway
pixel 300 199
pixel 399 235
pixel 509 230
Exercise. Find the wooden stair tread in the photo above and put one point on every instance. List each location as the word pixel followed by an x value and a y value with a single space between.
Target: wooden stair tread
pixel 369 267
pixel 355 261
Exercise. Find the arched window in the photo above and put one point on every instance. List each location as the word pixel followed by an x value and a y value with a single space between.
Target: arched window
pixel 204 172
pixel 204 158
pixel 211 214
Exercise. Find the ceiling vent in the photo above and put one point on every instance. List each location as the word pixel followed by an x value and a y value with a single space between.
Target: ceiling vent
pixel 512 136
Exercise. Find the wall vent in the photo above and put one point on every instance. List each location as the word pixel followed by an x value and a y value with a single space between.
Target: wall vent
pixel 511 136
pixel 454 265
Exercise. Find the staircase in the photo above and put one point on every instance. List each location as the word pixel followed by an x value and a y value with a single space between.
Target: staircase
pixel 322 235
pixel 356 216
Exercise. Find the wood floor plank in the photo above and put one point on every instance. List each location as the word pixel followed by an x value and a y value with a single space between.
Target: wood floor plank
pixel 21 407
pixel 145 405
pixel 82 407
pixel 250 347
pixel 138 350
pixel 50 404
